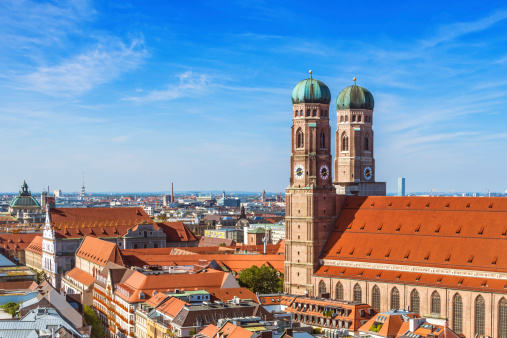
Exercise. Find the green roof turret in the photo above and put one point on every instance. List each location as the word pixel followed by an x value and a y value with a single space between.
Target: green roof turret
pixel 311 91
pixel 355 97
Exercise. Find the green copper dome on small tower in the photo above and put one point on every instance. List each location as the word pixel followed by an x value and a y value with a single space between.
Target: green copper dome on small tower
pixel 355 97
pixel 311 91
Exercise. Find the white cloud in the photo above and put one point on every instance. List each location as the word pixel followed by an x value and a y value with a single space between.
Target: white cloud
pixel 85 71
pixel 189 84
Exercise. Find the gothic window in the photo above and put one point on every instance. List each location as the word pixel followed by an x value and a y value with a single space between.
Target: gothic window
pixel 322 140
pixel 339 291
pixel 502 318
pixel 325 113
pixel 480 314
pixel 414 301
pixel 322 288
pixel 308 112
pixel 314 113
pixel 359 118
pixel 300 139
pixel 457 314
pixel 366 143
pixel 358 294
pixel 345 142
pixel 435 303
pixel 346 119
pixel 341 118
pixel 395 299
pixel 375 298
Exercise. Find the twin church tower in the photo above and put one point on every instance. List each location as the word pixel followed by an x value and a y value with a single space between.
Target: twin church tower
pixel 313 199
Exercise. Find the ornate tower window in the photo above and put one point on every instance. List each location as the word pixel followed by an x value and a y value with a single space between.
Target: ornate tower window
pixel 353 118
pixel 435 303
pixel 341 118
pixel 358 293
pixel 308 112
pixel 314 113
pixel 502 318
pixel 322 288
pixel 339 291
pixel 480 314
pixel 322 140
pixel 457 314
pixel 345 142
pixel 366 143
pixel 395 299
pixel 414 301
pixel 300 143
pixel 359 118
pixel 375 298
pixel 346 119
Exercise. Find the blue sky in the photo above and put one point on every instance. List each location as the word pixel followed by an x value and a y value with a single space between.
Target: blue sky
pixel 144 93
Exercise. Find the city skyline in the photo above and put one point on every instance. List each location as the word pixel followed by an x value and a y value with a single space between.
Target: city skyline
pixel 142 95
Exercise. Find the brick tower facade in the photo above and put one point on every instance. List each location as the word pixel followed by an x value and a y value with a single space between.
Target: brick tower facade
pixel 354 167
pixel 310 197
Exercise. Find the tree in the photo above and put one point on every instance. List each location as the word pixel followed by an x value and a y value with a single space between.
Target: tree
pixel 11 308
pixel 262 280
pixel 92 319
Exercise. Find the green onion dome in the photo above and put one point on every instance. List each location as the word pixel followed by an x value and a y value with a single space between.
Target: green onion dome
pixel 355 97
pixel 311 91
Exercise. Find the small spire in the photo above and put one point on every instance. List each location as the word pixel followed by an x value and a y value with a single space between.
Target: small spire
pixel 354 79
pixel 311 72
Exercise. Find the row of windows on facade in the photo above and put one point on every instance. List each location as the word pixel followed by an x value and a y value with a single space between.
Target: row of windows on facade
pixel 300 142
pixel 300 139
pixel 457 307
pixel 354 118
pixel 301 113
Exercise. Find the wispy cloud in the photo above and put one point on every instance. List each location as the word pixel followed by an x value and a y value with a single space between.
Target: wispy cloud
pixel 455 30
pixel 85 71
pixel 189 84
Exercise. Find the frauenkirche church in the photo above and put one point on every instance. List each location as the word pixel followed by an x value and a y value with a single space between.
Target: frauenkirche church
pixel 444 257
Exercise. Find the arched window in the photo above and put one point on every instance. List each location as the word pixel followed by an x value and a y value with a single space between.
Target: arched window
pixel 353 118
pixel 300 139
pixel 322 140
pixel 366 143
pixel 314 113
pixel 346 119
pixel 480 314
pixel 145 246
pixel 359 118
pixel 135 246
pixel 322 288
pixel 435 303
pixel 375 298
pixel 502 318
pixel 345 142
pixel 308 112
pixel 341 118
pixel 358 294
pixel 296 113
pixel 395 299
pixel 457 314
pixel 414 301
pixel 339 291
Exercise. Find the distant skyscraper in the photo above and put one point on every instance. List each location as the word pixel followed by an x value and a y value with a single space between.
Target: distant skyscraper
pixel 401 186
pixel 83 191
pixel 263 198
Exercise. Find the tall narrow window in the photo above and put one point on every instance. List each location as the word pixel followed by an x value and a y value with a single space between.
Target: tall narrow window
pixel 300 139
pixel 346 119
pixel 395 299
pixel 322 288
pixel 322 140
pixel 358 294
pixel 341 118
pixel 314 113
pixel 435 303
pixel 339 291
pixel 502 318
pixel 480 314
pixel 308 112
pixel 375 298
pixel 345 143
pixel 366 143
pixel 457 314
pixel 414 301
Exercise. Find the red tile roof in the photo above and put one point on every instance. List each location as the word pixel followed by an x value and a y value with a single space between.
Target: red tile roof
pixel 99 251
pixel 228 294
pixel 209 331
pixel 35 245
pixel 12 242
pixel 451 232
pixel 233 331
pixel 177 232
pixel 172 307
pixel 81 276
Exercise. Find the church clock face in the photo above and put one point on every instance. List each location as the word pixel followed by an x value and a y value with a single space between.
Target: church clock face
pixel 299 171
pixel 368 173
pixel 324 172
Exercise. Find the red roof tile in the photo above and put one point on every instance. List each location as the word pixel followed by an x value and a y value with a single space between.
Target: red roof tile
pixel 81 276
pixel 99 251
pixel 35 245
